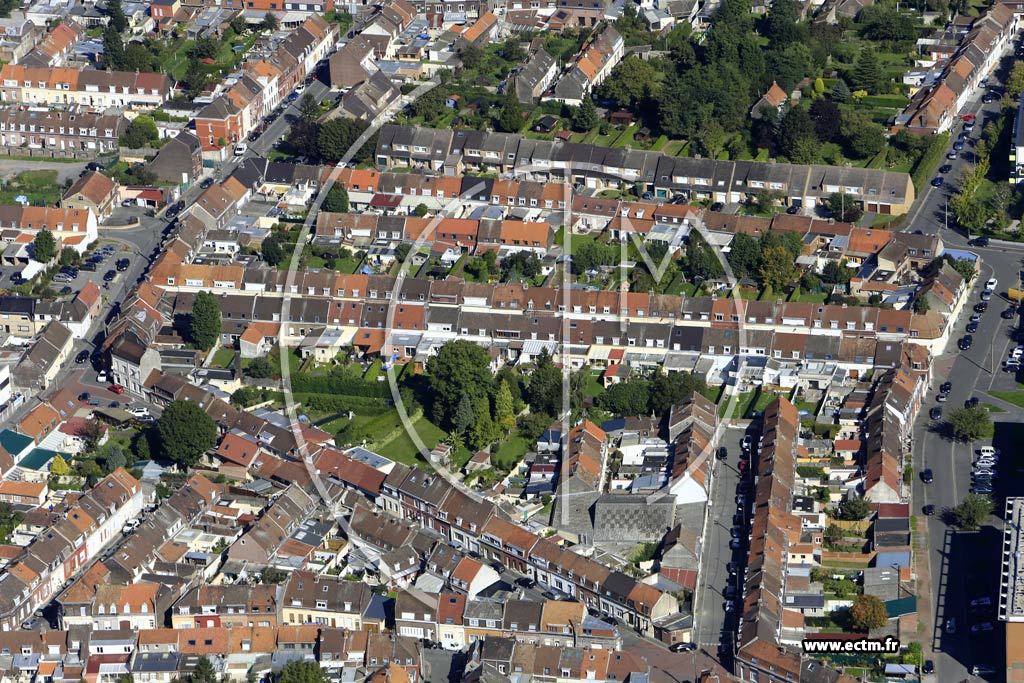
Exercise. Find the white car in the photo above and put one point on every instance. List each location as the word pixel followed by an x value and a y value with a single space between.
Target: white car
pixel 992 284
pixel 240 149
pixel 988 451
pixel 102 377
pixel 130 526
pixel 981 602
pixel 138 412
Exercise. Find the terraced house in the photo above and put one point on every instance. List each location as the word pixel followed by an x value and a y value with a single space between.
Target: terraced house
pixel 86 87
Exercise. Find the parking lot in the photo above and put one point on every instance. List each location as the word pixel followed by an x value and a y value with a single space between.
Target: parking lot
pixel 104 260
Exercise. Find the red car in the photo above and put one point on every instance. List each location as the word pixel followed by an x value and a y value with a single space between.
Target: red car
pixel 117 388
pixel 743 465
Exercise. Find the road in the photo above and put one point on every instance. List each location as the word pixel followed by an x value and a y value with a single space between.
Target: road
pixel 963 565
pixel 710 618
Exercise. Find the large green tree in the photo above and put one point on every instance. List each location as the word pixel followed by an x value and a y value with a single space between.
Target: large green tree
pixel 336 137
pixel 301 671
pixel 44 246
pixel 670 389
pixel 116 13
pixel 854 508
pixel 868 612
pixel 510 118
pixel 968 424
pixel 186 432
pixel 777 267
pixel 844 207
pixel 744 255
pixel 140 132
pixel 867 71
pixel 205 322
pixel 627 398
pixel 460 368
pixel 544 392
pixel 972 511
pixel 630 82
pixel 113 48
pixel 336 200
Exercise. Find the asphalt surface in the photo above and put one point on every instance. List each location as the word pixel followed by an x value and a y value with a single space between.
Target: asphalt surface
pixel 712 622
pixel 965 565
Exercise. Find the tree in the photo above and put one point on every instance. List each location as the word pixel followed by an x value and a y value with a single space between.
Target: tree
pixel 59 466
pixel 271 250
pixel 205 321
pixel 972 511
pixel 584 117
pixel 968 424
pixel 460 368
pixel 472 56
pixel 671 389
pixel 238 24
pixel 777 267
pixel 520 265
pixel 195 78
pixel 482 432
pixel 701 261
pixel 259 368
pixel 711 138
pixel 744 255
pixel 185 432
pixel 137 57
pixel 854 509
pixel 864 138
pixel 510 118
pixel 921 305
pixel 464 415
pixel 338 135
pixel 303 137
pixel 430 105
pixel 781 27
pixel 544 392
pixel 841 91
pixel 420 211
pixel 118 20
pixel 797 139
pixel 868 612
pixel 844 207
pixel 273 576
pixel 512 50
pixel 203 48
pixel 630 82
pixel 867 72
pixel 113 48
pixel 44 246
pixel 140 132
pixel 336 200
pixel 833 534
pixel 114 459
pixel 504 410
pixel 309 109
pixel 204 672
pixel 836 273
pixel 827 119
pixel 627 398
pixel 269 22
pixel 301 671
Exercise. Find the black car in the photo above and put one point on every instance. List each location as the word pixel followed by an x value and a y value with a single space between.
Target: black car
pixel 717 206
pixel 94 166
pixel 206 183
pixel 792 209
pixel 929 667
pixel 945 168
pixel 928 510
pixel 965 342
pixel 172 211
pixel 981 307
pixel 122 265
pixel 927 476
pixel 109 276
pixel 972 402
pixel 946 387
pixel 91 267
pixel 84 396
pixel 1008 313
pixel 972 326
pixel 935 413
pixel 723 453
pixel 682 647
pixel 82 356
pixel 525 582
pixel 978 242
pixel 66 290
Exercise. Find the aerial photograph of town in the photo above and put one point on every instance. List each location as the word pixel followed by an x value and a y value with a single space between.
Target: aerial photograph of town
pixel 539 341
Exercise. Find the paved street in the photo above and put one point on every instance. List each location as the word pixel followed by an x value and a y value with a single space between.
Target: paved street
pixel 711 620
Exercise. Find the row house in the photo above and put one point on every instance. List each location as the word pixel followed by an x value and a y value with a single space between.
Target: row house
pixel 328 601
pixel 50 86
pixel 55 48
pixel 71 542
pixel 448 152
pixel 935 108
pixel 589 69
pixel 264 84
pixel 239 605
pixel 73 228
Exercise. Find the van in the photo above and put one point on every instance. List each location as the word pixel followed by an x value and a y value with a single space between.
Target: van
pixel 988 451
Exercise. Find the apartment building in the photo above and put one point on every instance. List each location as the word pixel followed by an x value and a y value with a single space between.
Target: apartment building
pixel 51 86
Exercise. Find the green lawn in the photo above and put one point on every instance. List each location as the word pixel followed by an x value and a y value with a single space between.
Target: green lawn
pixel 511 452
pixel 401 446
pixel 593 387
pixel 1012 397
pixel 745 405
pixel 38 186
pixel 223 357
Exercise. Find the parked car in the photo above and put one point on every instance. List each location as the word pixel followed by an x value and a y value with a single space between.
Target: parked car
pixel 983 627
pixel 972 402
pixel 928 510
pixel 927 476
pixel 978 242
pixel 935 413
pixel 938 181
pixel 972 327
pixel 138 412
pixel 122 265
pixel 205 183
pixel 951 625
pixel 982 670
pixel 981 602
pixel 952 155
pixel 240 149
pixel 1008 313
pixel 101 377
pixel 992 284
pixel 986 295
pixel 82 356
pixel 747 441
pixel 945 168
pixel 929 667
pixel 942 398
pixel 946 387
pixel 965 342
pixel 117 388
pixel 109 275
pixel 682 647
